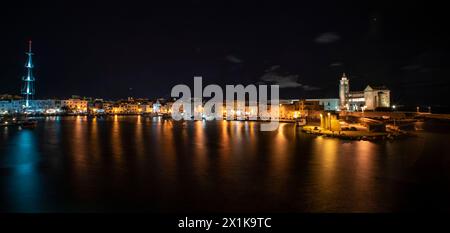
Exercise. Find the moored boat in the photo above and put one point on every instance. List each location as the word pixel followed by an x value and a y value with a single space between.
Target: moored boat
pixel 28 124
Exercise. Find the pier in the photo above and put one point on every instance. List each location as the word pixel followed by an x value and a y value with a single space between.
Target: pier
pixel 356 134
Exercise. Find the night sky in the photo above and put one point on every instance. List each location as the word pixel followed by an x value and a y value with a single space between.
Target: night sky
pixel 113 50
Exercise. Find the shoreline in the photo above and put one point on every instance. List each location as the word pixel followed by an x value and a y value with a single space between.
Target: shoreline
pixel 309 129
pixel 357 135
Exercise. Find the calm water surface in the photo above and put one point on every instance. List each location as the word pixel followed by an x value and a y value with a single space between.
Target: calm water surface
pixel 73 164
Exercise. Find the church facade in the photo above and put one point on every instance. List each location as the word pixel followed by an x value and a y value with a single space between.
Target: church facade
pixel 371 98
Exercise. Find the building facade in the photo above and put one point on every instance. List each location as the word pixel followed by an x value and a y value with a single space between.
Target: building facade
pixel 344 90
pixel 331 104
pixel 75 105
pixel 370 98
pixel 377 97
pixel 34 106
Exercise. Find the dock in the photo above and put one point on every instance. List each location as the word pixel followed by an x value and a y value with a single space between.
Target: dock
pixel 355 134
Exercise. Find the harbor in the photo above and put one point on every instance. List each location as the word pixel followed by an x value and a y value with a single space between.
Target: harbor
pixel 21 122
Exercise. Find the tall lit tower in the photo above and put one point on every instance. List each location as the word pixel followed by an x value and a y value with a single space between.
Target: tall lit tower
pixel 28 81
pixel 344 89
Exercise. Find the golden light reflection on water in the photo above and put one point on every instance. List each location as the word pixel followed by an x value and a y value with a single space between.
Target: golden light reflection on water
pixel 225 137
pixel 224 147
pixel 251 138
pixel 139 137
pixel 167 144
pixel 326 152
pixel 233 153
pixel 116 143
pixel 342 169
pixel 95 149
pixel 79 146
pixel 364 151
pixel 364 188
pixel 200 152
pixel 279 154
pixel 80 156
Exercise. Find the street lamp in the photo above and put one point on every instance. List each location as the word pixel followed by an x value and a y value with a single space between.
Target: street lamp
pixel 329 120
pixel 322 123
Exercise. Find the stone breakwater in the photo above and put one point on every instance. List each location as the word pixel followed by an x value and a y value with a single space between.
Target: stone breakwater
pixel 356 134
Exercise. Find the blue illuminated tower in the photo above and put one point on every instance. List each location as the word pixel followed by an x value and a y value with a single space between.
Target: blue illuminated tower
pixel 28 81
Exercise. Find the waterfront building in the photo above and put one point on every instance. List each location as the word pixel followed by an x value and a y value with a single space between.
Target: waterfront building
pixel 107 107
pixel 160 106
pixel 370 98
pixel 157 106
pixel 240 110
pixel 355 101
pixel 96 106
pixel 167 107
pixel 5 106
pixel 132 108
pixel 129 106
pixel 146 107
pixel 49 106
pixel 35 106
pixel 118 108
pixel 75 105
pixel 310 105
pixel 11 106
pixel 289 109
pixel 17 106
pixel 331 104
pixel 344 90
pixel 377 97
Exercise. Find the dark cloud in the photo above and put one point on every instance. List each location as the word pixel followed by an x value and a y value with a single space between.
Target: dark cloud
pixel 336 64
pixel 326 38
pixel 272 68
pixel 233 59
pixel 310 88
pixel 287 81
pixel 284 81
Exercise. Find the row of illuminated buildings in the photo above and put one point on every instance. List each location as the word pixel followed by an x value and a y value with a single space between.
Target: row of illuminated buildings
pixel 288 108
pixel 371 98
pixel 82 105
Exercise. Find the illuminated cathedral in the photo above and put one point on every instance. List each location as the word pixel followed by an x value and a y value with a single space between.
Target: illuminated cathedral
pixel 371 98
